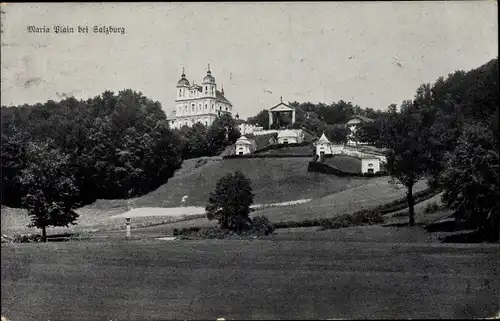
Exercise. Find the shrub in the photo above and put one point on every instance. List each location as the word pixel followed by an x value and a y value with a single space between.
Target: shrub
pixel 367 217
pixel 262 226
pixel 27 238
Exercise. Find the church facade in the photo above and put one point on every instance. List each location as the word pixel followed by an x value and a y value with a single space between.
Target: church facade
pixel 198 103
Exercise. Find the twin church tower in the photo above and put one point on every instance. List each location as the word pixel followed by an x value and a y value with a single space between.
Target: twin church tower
pixel 198 103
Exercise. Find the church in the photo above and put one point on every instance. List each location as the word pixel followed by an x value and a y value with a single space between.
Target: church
pixel 198 103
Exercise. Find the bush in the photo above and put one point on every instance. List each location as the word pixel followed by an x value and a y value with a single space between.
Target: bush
pixel 262 226
pixel 367 217
pixel 27 238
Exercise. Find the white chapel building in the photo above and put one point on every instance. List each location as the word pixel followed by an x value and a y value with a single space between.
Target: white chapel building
pixel 198 103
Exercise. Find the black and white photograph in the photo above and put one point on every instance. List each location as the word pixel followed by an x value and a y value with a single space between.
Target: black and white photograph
pixel 328 160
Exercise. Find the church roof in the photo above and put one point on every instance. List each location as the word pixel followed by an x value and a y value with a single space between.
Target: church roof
pixel 245 141
pixel 287 133
pixel 362 118
pixel 281 104
pixel 323 139
pixel 220 97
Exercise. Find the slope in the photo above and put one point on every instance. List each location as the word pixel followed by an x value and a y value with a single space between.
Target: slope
pixel 273 180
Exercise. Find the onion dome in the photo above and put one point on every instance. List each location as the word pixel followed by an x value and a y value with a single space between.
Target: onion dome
pixel 183 81
pixel 208 79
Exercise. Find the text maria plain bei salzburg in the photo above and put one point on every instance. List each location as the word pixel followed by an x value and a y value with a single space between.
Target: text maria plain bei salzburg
pixel 101 29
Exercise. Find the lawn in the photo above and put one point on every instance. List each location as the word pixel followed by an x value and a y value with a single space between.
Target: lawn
pixel 273 180
pixel 260 279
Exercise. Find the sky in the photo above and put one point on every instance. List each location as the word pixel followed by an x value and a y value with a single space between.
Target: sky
pixel 372 54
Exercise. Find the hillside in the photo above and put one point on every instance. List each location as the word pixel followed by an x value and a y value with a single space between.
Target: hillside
pixel 273 180
pixel 375 192
pixel 289 150
pixel 348 164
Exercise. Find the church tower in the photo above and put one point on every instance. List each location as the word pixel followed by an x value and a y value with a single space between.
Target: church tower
pixel 182 86
pixel 209 85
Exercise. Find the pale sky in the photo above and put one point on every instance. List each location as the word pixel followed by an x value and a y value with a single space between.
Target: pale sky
pixel 370 53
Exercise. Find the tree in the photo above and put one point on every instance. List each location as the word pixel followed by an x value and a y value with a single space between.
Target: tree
pixel 470 180
pixel 261 119
pixel 406 136
pixel 51 192
pixel 230 202
pixel 223 132
pixel 337 133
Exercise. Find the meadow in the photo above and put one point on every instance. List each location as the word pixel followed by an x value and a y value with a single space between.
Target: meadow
pixel 259 279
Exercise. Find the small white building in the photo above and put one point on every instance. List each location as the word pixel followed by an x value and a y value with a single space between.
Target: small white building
pixel 325 147
pixel 290 137
pixel 370 164
pixel 246 129
pixel 244 146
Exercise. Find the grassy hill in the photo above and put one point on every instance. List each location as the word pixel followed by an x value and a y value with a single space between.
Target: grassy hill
pixel 375 192
pixel 273 180
pixel 261 140
pixel 348 164
pixel 289 150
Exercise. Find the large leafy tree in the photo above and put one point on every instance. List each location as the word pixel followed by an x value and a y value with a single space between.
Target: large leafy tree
pixel 470 179
pixel 51 193
pixel 223 132
pixel 406 137
pixel 230 203
pixel 261 119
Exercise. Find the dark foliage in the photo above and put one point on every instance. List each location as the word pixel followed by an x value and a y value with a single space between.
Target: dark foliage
pixel 230 203
pixel 118 145
pixel 199 141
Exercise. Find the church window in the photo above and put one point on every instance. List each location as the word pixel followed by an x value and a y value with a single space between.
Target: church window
pixel 180 92
pixel 206 106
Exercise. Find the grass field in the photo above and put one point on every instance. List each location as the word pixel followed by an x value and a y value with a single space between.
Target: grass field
pixel 273 180
pixel 376 192
pixel 288 150
pixel 348 164
pixel 260 279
